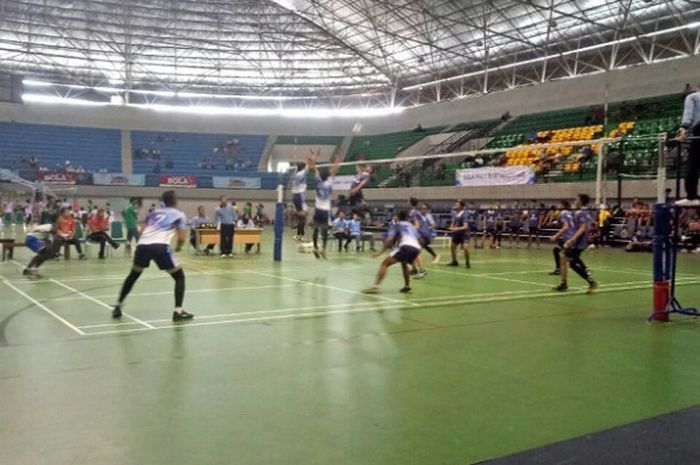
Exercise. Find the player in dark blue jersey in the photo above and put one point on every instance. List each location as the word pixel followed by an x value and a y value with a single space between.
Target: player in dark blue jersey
pixel 576 243
pixel 425 237
pixel 566 221
pixel 533 217
pixel 515 226
pixel 460 234
pixel 403 238
pixel 361 179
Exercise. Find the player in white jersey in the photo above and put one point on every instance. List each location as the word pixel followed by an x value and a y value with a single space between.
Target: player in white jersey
pixel 154 244
pixel 404 236
pixel 299 193
pixel 322 209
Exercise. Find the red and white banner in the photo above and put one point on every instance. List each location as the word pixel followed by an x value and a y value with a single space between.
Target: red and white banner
pixel 57 177
pixel 178 181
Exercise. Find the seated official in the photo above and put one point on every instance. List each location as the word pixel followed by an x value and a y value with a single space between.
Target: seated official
pixel 247 223
pixel 340 229
pixel 197 222
pixel 99 232
pixel 65 232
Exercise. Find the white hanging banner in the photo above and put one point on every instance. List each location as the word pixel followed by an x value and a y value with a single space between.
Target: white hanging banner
pixel 495 176
pixel 342 183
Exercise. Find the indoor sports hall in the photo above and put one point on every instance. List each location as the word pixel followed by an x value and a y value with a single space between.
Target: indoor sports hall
pixel 349 232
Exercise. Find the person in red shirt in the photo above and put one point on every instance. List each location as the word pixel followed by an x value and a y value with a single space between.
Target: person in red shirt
pixel 65 232
pixel 99 232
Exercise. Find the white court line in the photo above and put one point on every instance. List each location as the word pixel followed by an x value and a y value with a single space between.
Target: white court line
pixel 488 276
pixel 99 302
pixel 350 291
pixel 497 298
pixel 42 306
pixel 190 291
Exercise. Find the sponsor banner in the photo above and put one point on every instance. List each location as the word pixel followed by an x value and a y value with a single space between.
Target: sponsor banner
pixel 495 176
pixel 234 182
pixel 119 179
pixel 342 183
pixel 177 181
pixel 57 177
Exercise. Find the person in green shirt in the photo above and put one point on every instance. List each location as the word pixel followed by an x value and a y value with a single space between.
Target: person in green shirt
pixel 131 221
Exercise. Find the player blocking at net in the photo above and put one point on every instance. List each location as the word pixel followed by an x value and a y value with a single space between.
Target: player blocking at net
pixel 154 245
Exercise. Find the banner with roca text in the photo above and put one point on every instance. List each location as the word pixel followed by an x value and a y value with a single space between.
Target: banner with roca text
pixel 177 181
pixel 119 179
pixel 235 182
pixel 495 176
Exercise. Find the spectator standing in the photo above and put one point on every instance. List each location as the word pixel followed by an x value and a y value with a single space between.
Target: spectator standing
pixel 226 216
pixel 131 222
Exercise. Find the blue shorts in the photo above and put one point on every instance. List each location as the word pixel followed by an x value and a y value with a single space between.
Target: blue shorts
pixel 460 238
pixel 161 254
pixel 426 238
pixel 322 217
pixel 299 202
pixel 405 254
pixel 34 244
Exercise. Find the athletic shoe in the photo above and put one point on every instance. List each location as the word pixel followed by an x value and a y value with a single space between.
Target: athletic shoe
pixel 688 203
pixel 82 257
pixel 117 311
pixel 405 290
pixel 414 272
pixel 555 273
pixel 561 288
pixel 26 272
pixel 116 245
pixel 183 315
pixel 453 263
pixel 323 255
pixel 370 290
pixel 317 254
pixel 592 287
pixel 436 259
pixel 468 266
pixel 223 255
pixel 420 275
pixel 102 257
pixel 229 256
pixel 296 238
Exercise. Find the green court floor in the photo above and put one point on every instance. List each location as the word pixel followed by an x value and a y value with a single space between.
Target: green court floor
pixel 288 363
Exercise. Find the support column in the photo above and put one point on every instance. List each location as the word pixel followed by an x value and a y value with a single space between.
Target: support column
pixel 127 153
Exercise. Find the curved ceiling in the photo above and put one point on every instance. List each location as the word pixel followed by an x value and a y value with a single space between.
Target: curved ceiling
pixel 377 52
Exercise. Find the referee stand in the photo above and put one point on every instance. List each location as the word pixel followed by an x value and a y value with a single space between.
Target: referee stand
pixel 667 236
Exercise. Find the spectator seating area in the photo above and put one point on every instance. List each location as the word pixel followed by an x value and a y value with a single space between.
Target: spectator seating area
pixel 196 154
pixel 309 140
pixel 59 148
pixel 30 147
